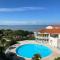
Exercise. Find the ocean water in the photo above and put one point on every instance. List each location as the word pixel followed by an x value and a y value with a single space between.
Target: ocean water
pixel 23 27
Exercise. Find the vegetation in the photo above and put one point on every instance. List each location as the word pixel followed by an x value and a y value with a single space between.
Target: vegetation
pixel 58 58
pixel 9 37
pixel 36 57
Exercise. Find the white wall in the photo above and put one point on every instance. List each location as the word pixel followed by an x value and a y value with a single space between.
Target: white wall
pixel 53 42
pixel 59 35
pixel 35 34
pixel 58 43
pixel 49 27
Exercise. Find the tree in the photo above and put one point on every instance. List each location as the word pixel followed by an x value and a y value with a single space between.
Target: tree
pixel 8 33
pixel 1 34
pixel 19 32
pixel 2 45
pixel 58 58
pixel 36 57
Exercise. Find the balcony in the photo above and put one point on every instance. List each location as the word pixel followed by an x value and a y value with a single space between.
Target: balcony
pixel 42 37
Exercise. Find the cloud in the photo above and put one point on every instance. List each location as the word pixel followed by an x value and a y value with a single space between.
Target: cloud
pixel 24 22
pixel 20 9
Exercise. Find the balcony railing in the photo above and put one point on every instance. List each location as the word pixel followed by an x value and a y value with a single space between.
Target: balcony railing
pixel 42 37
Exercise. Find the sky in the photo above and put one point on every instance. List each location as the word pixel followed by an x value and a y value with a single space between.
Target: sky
pixel 29 12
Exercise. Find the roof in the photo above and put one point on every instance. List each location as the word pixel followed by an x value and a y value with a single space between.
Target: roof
pixel 53 30
pixel 53 26
pixel 50 31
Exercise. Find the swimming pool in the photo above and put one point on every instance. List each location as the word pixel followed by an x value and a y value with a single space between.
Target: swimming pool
pixel 28 50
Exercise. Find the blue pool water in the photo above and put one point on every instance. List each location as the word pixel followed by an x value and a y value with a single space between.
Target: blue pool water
pixel 28 50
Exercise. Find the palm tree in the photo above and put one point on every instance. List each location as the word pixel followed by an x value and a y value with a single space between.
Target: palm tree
pixel 36 57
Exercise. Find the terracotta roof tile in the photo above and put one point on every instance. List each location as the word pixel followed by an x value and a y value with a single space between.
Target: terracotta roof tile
pixel 50 30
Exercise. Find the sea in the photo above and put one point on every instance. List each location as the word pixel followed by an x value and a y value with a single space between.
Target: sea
pixel 23 27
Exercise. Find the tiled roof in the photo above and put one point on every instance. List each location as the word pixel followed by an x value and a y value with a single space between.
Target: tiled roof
pixel 50 30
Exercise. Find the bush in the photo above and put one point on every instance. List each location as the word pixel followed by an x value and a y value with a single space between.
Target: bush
pixel 58 58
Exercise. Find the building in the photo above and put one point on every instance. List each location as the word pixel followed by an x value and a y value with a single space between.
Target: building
pixel 50 34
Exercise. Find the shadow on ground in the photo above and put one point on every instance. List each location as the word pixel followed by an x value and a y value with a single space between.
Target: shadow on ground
pixel 10 56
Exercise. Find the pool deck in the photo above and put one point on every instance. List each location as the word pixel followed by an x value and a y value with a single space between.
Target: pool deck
pixel 56 52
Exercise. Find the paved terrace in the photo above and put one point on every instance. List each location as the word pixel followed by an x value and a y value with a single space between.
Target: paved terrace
pixel 56 52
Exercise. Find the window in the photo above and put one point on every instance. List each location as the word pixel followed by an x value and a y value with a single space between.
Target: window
pixel 54 35
pixel 43 35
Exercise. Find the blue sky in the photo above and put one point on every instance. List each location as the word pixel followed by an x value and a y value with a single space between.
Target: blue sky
pixel 29 12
